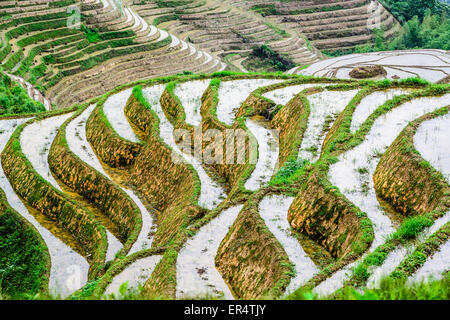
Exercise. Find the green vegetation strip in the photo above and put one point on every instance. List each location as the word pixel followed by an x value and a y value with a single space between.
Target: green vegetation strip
pixel 14 99
pixel 24 258
pixel 96 188
pixel 108 145
pixel 413 226
pixel 172 188
pixel 43 197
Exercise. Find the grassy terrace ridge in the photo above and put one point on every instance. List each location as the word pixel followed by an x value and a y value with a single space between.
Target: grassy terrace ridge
pixel 404 83
pixel 14 98
pixel 96 188
pixel 328 199
pixel 111 148
pixel 147 167
pixel 43 197
pixel 167 261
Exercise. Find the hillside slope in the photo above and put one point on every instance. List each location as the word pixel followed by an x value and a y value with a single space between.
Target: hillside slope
pixel 329 25
pixel 226 30
pixel 105 193
pixel 76 60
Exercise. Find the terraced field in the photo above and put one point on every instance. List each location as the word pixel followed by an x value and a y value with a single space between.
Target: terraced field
pixel 428 64
pixel 75 50
pixel 145 185
pixel 55 45
pixel 335 25
pixel 134 165
pixel 297 29
pixel 224 29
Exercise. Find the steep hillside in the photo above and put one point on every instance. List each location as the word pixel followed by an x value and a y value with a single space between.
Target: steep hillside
pixel 328 25
pixel 136 163
pixel 102 191
pixel 226 30
pixel 77 54
pixel 18 96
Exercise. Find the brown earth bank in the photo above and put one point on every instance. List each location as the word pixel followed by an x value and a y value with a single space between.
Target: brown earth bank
pixel 325 217
pixel 171 187
pixel 406 181
pixel 109 147
pixel 250 258
pixel 95 188
pixel 66 213
pixel 365 72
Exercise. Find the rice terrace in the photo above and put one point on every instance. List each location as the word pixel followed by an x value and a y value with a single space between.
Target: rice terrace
pixel 237 150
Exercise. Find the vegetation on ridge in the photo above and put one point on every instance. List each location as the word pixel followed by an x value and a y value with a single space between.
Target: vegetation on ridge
pixel 133 78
